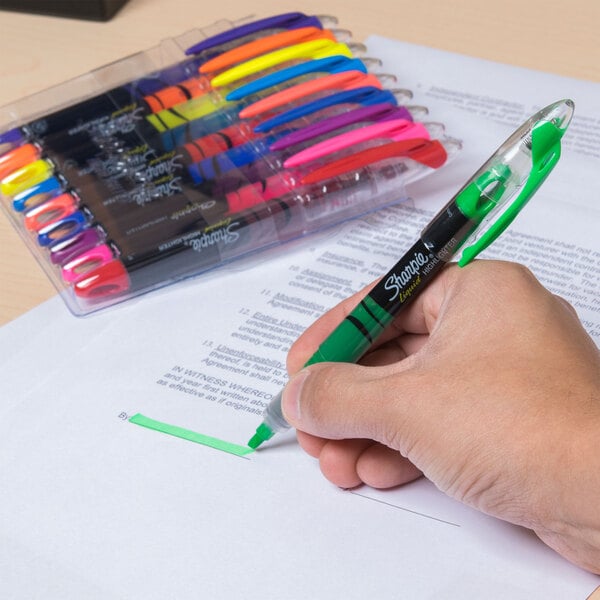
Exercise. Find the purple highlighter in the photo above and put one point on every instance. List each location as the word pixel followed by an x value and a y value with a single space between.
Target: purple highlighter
pixel 286 21
pixel 373 113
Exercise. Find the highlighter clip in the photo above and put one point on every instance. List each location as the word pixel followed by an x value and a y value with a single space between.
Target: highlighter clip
pixel 365 114
pixel 312 49
pixel 363 96
pixel 504 184
pixel 430 153
pixel 393 130
pixel 262 46
pixel 330 64
pixel 286 21
pixel 337 81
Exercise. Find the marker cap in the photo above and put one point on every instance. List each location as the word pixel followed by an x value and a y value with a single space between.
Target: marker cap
pixel 25 177
pixel 506 182
pixel 69 247
pixel 37 194
pixel 86 262
pixel 18 158
pixel 49 212
pixel 11 138
pixel 59 230
pixel 109 279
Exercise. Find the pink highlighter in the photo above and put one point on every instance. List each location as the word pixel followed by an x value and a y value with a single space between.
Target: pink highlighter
pixel 394 130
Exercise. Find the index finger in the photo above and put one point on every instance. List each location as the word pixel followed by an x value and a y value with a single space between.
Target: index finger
pixel 418 317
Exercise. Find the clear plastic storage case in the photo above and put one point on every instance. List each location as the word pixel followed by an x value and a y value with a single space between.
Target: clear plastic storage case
pixel 212 145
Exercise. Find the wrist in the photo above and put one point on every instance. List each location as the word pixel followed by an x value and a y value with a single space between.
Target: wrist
pixel 570 522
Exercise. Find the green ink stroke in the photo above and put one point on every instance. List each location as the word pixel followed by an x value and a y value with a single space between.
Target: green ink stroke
pixel 192 436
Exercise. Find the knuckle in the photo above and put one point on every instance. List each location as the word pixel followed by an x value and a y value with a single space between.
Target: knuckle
pixel 320 387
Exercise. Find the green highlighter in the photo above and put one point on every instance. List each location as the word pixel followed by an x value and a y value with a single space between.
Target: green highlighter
pixel 471 221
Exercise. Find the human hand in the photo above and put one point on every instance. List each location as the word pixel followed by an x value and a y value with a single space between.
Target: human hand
pixel 487 384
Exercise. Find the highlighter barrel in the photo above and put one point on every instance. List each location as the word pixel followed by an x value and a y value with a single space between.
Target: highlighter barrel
pixel 470 221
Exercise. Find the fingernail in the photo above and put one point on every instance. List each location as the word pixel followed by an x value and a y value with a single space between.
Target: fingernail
pixel 290 401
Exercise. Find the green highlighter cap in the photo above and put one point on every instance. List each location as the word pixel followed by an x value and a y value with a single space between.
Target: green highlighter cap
pixel 506 182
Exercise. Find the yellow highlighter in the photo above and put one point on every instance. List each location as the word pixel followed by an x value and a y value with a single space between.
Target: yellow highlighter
pixel 312 50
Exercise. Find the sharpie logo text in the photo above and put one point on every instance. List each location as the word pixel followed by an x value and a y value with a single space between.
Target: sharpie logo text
pixel 404 282
pixel 159 167
pixel 222 235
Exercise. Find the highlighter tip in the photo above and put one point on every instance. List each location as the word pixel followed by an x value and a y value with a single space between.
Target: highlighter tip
pixel 263 433
pixel 255 441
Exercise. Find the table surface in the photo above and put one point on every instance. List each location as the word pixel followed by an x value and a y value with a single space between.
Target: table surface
pixel 38 51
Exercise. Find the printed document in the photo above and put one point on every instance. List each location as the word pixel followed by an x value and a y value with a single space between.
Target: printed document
pixel 94 506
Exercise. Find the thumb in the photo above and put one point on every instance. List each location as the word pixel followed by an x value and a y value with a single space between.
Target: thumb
pixel 344 401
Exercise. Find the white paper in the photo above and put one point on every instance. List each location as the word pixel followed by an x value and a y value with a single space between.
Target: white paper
pixel 558 234
pixel 93 506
